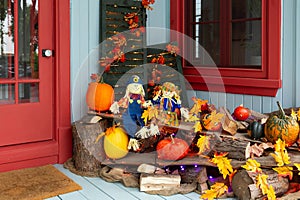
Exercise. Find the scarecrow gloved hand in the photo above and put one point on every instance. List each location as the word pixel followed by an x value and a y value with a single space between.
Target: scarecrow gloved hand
pixel 115 108
pixel 133 144
pixel 147 132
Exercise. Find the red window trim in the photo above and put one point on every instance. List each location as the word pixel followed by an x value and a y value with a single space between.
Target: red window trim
pixel 264 82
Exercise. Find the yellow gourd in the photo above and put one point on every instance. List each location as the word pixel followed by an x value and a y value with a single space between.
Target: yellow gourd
pixel 115 142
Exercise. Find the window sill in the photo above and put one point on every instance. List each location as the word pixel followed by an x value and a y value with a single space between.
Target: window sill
pixel 235 85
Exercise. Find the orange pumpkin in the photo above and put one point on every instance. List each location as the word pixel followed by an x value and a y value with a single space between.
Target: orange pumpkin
pixel 281 126
pixel 172 149
pixel 99 96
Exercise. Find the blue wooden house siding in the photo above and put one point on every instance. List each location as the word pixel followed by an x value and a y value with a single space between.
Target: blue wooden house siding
pixel 84 56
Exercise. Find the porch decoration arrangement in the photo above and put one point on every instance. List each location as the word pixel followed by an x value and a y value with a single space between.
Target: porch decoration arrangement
pixel 163 145
pixel 247 165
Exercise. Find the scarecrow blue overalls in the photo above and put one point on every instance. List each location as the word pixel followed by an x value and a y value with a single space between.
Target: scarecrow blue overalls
pixel 132 117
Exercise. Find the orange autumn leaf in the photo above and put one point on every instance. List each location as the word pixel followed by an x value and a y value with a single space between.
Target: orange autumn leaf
pixel 271 193
pixel 197 127
pixel 281 155
pixel 216 190
pixel 252 166
pixel 298 167
pixel 203 143
pixel 262 183
pixel 284 171
pixel 223 164
pixel 197 105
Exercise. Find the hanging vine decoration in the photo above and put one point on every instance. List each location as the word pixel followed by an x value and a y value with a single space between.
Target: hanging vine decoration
pixel 118 43
pixel 147 3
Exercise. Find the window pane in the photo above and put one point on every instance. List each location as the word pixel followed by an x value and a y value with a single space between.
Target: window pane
pixel 209 38
pixel 207 10
pixel 6 40
pixel 7 94
pixel 28 38
pixel 246 33
pixel 206 29
pixel 28 92
pixel 246 43
pixel 246 9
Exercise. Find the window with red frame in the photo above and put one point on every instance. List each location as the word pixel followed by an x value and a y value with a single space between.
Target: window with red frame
pixel 241 37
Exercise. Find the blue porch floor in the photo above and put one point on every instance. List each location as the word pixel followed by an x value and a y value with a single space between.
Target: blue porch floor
pixel 98 189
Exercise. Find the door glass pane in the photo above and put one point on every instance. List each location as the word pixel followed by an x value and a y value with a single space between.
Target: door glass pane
pixel 28 92
pixel 7 94
pixel 6 40
pixel 28 39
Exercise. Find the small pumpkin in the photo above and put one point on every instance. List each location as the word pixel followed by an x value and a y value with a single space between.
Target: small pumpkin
pixel 172 149
pixel 281 126
pixel 212 121
pixel 99 96
pixel 241 113
pixel 256 130
pixel 115 142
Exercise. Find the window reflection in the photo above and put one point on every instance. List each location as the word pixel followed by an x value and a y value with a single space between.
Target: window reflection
pixel 28 38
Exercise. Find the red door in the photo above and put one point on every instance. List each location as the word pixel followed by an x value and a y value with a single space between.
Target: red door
pixel 26 79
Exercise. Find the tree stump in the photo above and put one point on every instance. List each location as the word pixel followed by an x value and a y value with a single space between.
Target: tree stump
pixel 88 155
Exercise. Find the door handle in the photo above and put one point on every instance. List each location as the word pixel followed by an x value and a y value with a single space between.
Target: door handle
pixel 47 53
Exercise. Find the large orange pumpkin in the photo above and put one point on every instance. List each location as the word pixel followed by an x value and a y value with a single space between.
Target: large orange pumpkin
pixel 99 96
pixel 281 126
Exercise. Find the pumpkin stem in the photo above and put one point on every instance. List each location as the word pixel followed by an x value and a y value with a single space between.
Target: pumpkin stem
pixel 99 137
pixel 281 111
pixel 172 138
pixel 101 80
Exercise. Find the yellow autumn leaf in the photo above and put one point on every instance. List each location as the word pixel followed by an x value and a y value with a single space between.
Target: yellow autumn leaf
pixel 252 166
pixel 216 190
pixel 192 118
pixel 298 167
pixel 145 116
pixel 150 113
pixel 281 155
pixel 223 164
pixel 262 183
pixel 197 127
pixel 293 114
pixel 284 171
pixel 203 143
pixel 213 118
pixel 298 114
pixel 271 193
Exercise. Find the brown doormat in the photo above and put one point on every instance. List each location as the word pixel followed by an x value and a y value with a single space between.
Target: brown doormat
pixel 35 183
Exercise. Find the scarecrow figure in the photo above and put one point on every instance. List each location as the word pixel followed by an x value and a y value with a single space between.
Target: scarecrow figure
pixel 170 103
pixel 134 102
